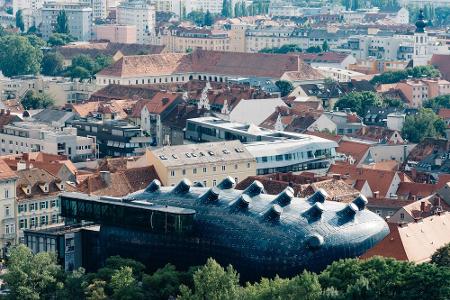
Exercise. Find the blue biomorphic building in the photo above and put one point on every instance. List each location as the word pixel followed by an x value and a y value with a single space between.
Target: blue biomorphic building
pixel 259 234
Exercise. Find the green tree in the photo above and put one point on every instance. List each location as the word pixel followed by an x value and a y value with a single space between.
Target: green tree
pixel 325 46
pixel 237 10
pixel 209 19
pixel 165 282
pixel 392 102
pixel 36 41
pixel 60 39
pixel 425 124
pixel 103 61
pixel 31 276
pixel 225 10
pixel 285 87
pixel 283 49
pixel 397 76
pixel 314 49
pixel 33 100
pixel 96 290
pixel 9 10
pixel 124 285
pixel 73 286
pixel 305 286
pixel 79 72
pixel 52 63
pixel 62 23
pixel 83 67
pixel 438 102
pixel 19 20
pixel 198 17
pixel 18 56
pixel 442 256
pixel 213 282
pixel 359 102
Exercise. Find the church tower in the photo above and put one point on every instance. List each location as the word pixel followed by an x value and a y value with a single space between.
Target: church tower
pixel 420 56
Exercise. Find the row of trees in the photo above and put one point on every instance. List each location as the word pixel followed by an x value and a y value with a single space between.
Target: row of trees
pixel 426 123
pixel 22 55
pixel 397 76
pixel 241 8
pixel 39 277
pixel 288 48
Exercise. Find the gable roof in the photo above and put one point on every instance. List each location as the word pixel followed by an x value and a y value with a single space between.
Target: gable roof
pixel 414 190
pixel 354 149
pixel 415 242
pixel 212 62
pixel 5 171
pixel 441 62
pixel 160 101
pixel 121 183
pixel 264 107
pixel 34 178
pixel 378 180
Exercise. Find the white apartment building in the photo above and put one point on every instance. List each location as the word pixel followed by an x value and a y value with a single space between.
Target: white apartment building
pixel 7 203
pixel 23 137
pixel 79 19
pixel 141 14
pixel 99 8
pixel 63 90
pixel 337 74
pixel 214 6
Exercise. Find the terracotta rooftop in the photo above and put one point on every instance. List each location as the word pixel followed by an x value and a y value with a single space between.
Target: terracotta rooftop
pixel 120 108
pixel 444 113
pixel 378 180
pixel 354 149
pixel 377 134
pixel 328 136
pixel 212 62
pixel 161 101
pixel 415 242
pixel 5 171
pixel 414 190
pixel 441 62
pixel 118 184
pixel 34 179
pixel 293 119
pixel 428 146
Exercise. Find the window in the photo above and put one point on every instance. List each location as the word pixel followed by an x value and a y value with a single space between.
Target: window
pixel 6 193
pixel 248 165
pixel 235 167
pixel 33 206
pixel 54 219
pixel 214 169
pixel 7 229
pixel 214 182
pixel 22 223
pixel 7 211
pixel 44 220
pixel 22 208
pixel 204 183
pixel 183 172
pixel 44 205
pixel 223 168
pixel 402 216
pixel 194 170
pixel 172 173
pixel 53 203
pixel 204 170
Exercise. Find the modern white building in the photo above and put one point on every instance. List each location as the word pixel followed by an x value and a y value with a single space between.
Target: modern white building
pixel 23 137
pixel 274 151
pixel 337 74
pixel 99 8
pixel 79 19
pixel 141 14
pixel 214 6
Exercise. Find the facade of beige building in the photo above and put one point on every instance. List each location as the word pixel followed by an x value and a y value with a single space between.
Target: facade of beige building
pixel 206 163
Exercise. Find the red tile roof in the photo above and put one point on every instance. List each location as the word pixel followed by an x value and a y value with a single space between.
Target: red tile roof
pixel 390 246
pixel 160 101
pixel 414 190
pixel 442 63
pixel 212 62
pixel 353 149
pixel 5 171
pixel 444 113
pixel 378 180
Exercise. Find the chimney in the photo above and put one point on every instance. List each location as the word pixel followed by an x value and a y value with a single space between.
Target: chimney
pixel 106 177
pixel 21 165
pixel 422 206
